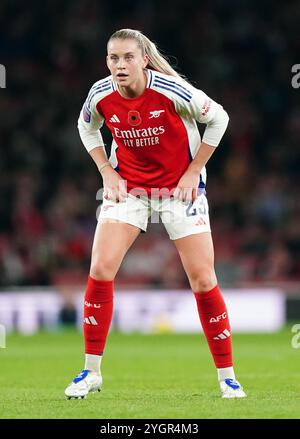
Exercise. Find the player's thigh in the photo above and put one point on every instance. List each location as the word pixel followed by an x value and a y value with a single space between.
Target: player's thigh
pixel 196 252
pixel 111 241
pixel 133 210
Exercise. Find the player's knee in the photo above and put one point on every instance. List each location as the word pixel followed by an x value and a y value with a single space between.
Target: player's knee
pixel 102 269
pixel 203 280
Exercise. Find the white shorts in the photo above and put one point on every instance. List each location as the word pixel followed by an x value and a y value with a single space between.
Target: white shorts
pixel 180 219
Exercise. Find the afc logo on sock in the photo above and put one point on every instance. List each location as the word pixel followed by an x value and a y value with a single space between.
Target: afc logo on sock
pixel 93 305
pixel 218 318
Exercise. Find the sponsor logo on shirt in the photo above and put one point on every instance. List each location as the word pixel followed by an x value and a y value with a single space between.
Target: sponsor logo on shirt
pixel 140 137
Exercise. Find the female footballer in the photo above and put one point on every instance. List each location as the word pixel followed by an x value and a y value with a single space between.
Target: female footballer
pixel 157 163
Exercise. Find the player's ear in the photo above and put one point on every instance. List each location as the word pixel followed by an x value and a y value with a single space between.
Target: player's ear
pixel 107 63
pixel 146 61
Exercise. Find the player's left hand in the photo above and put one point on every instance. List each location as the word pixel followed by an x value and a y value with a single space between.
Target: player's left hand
pixel 187 187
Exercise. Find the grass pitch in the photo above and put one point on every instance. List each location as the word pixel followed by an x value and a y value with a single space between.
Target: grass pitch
pixel 149 376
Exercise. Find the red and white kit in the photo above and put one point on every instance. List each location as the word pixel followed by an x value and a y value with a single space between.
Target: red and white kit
pixel 155 137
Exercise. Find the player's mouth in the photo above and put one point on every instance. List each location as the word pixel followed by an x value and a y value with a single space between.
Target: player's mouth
pixel 122 76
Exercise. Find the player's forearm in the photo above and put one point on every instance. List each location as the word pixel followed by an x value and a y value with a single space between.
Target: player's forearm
pixel 201 158
pixel 114 186
pixel 211 138
pixel 99 156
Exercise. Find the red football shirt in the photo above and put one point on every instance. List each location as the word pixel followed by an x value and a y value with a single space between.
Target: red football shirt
pixel 155 135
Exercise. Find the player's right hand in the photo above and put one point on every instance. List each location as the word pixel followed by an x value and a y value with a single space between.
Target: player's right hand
pixel 114 186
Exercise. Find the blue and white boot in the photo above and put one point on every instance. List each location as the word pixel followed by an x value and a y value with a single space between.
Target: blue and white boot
pixel 231 389
pixel 85 382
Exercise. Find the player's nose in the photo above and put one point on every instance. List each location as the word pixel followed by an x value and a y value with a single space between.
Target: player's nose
pixel 121 64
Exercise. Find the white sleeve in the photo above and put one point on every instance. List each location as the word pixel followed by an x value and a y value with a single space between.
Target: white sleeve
pixel 216 127
pixel 199 106
pixel 89 124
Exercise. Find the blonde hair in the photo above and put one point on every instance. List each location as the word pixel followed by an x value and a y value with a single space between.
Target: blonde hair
pixel 157 61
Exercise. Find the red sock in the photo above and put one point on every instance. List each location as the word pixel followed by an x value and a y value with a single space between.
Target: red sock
pixel 98 309
pixel 215 323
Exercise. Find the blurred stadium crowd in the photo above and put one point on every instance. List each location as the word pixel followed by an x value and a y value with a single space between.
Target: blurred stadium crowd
pixel 239 52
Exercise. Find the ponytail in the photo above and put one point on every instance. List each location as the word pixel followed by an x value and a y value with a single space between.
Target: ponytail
pixel 157 61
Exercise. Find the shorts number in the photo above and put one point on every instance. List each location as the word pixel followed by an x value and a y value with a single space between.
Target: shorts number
pixel 188 210
pixel 201 208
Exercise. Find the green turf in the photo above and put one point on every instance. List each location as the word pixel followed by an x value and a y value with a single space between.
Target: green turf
pixel 150 376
